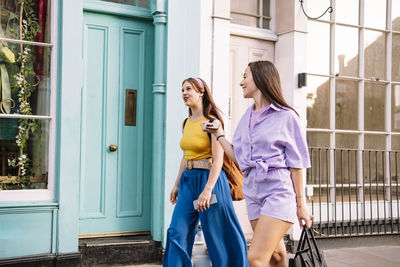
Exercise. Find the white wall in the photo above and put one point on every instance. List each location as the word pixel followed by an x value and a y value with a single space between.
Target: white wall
pixel 188 55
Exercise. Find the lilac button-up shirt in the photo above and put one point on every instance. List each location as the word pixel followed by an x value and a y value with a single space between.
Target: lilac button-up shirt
pixel 276 141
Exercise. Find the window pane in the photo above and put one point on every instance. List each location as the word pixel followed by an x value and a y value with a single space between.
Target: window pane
pixel 396 143
pixel 125 2
pixel 348 141
pixel 318 139
pixel 26 166
pixel 347 11
pixel 396 15
pixel 266 8
pixel 346 52
pixel 244 20
pixel 26 87
pixel 396 108
pixel 317 102
pixel 316 8
pixel 266 23
pixel 375 14
pixel 346 105
pixel 143 3
pixel 396 57
pixel 374 106
pixel 345 169
pixel 375 54
pixel 319 171
pixel 375 142
pixel 249 6
pixel 37 18
pixel 318 47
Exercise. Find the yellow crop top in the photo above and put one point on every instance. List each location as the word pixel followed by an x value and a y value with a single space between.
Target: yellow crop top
pixel 195 143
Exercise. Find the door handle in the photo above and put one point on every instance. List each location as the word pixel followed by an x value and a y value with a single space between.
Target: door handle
pixel 113 148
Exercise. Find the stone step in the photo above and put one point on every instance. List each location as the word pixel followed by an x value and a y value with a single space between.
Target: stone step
pixel 124 250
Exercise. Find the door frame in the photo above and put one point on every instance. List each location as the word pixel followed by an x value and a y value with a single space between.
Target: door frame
pixel 115 9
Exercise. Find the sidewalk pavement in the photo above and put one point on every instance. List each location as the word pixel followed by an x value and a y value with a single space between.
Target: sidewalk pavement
pixel 382 256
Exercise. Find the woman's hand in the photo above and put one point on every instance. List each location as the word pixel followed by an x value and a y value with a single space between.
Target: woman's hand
pixel 173 196
pixel 302 214
pixel 212 127
pixel 203 202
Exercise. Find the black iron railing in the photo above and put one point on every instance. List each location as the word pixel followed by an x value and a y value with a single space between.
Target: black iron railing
pixel 354 192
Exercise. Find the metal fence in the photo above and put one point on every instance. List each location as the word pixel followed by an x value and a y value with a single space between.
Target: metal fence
pixel 354 192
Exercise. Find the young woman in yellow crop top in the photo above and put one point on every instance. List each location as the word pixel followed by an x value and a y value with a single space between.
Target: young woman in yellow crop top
pixel 200 175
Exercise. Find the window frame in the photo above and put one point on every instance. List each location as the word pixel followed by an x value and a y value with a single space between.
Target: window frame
pixel 41 194
pixel 362 80
pixel 260 17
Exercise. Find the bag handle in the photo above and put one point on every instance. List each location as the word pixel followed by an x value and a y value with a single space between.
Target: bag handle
pixel 315 243
pixel 307 238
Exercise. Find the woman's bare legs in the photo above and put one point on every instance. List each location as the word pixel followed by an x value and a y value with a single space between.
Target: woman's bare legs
pixel 267 245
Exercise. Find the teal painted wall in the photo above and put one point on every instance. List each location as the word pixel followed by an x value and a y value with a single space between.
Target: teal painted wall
pixel 70 82
pixel 27 229
pixel 53 227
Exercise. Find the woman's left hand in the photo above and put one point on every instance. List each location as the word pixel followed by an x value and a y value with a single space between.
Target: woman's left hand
pixel 302 214
pixel 212 127
pixel 203 202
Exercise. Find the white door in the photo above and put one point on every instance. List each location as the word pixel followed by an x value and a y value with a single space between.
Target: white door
pixel 242 51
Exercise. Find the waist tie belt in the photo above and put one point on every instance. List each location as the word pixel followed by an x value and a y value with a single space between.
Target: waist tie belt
pixel 263 166
pixel 199 164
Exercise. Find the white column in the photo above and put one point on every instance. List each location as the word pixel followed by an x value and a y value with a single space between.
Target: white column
pixel 290 59
pixel 221 56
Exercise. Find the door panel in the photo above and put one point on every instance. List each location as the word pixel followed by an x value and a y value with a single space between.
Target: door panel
pixel 95 96
pixel 131 190
pixel 242 51
pixel 114 196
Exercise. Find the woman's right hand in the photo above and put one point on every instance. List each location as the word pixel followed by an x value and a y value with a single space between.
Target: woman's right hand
pixel 173 196
pixel 212 127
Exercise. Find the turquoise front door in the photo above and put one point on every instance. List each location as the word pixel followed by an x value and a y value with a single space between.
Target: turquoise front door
pixel 115 170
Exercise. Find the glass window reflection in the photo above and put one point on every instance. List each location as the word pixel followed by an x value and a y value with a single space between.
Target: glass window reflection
pixel 347 11
pixel 349 141
pixel 375 54
pixel 374 142
pixel 318 47
pixel 374 106
pixel 317 102
pixel 139 3
pixel 317 7
pixel 396 108
pixel 396 15
pixel 396 142
pixel 37 18
pixel 375 14
pixel 346 105
pixel 396 57
pixel 346 52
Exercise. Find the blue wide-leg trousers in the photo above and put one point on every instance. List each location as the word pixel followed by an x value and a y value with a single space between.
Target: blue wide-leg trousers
pixel 222 232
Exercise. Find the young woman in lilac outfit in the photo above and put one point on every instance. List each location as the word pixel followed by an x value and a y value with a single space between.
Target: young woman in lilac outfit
pixel 271 150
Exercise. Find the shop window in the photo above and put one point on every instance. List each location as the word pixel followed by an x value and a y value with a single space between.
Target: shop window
pixel 253 13
pixel 27 90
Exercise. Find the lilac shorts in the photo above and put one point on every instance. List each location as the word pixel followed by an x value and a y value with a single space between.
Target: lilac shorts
pixel 272 195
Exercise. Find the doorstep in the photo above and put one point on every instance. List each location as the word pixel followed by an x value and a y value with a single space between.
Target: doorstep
pixel 123 250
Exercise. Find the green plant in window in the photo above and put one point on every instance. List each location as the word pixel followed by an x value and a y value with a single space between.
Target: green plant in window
pixel 25 82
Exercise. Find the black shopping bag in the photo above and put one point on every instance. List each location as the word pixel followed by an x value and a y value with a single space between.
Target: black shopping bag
pixel 308 254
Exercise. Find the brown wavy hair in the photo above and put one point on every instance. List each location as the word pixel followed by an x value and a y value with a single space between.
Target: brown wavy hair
pixel 267 80
pixel 210 109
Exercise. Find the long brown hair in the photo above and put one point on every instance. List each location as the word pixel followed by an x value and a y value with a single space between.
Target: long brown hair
pixel 266 78
pixel 210 109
